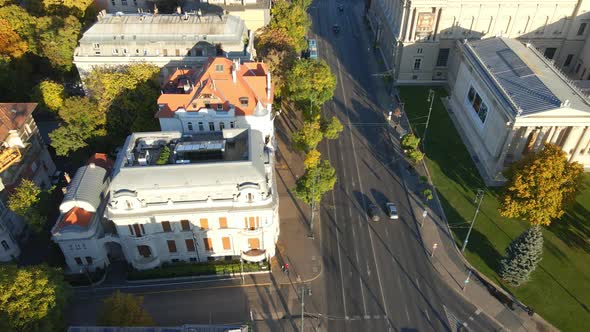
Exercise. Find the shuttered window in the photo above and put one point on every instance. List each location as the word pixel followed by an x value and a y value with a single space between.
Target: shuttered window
pixel 171 246
pixel 185 225
pixel 208 244
pixel 222 222
pixel 190 244
pixel 226 243
pixel 204 223
pixel 254 243
pixel 166 226
pixel 144 251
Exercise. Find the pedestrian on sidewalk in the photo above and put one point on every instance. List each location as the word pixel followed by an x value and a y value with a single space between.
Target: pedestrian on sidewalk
pixel 283 268
pixel 287 268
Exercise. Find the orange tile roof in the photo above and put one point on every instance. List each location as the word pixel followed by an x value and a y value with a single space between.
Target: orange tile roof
pixel 213 87
pixel 76 216
pixel 13 116
pixel 101 160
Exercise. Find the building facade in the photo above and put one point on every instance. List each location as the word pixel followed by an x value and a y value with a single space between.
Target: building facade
pixel 167 41
pixel 507 99
pixel 23 155
pixel 255 13
pixel 223 94
pixel 418 37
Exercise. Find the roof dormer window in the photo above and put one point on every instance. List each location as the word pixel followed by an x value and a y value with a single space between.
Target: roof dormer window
pixel 244 101
pixel 219 68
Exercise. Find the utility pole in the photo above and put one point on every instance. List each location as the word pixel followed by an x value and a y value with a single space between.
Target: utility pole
pixel 313 180
pixel 478 197
pixel 431 100
pixel 303 289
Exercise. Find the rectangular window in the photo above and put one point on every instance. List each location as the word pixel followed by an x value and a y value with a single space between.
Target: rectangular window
pixel 166 226
pixel 142 230
pixel 165 52
pixel 208 244
pixel 211 126
pixel 578 67
pixel 95 45
pixel 232 124
pixel 254 243
pixel 220 107
pixel 221 126
pixel 177 52
pixel 78 260
pixel 144 251
pixel 137 230
pixel 417 63
pixel 115 51
pixel 135 3
pixel 130 229
pixel 222 222
pixel 219 68
pixel 244 101
pixel 190 244
pixel 582 29
pixel 124 51
pixel 420 50
pixel 124 2
pixel 201 127
pixel 204 223
pixel 171 246
pixel 193 259
pixel 5 245
pixel 89 260
pixel 226 243
pixel 477 104
pixel 550 52
pixel 113 2
pixel 568 60
pixel 199 52
pixel 443 57
pixel 185 225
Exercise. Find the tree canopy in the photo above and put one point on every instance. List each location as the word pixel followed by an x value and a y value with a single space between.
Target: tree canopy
pixel 292 19
pixel 308 137
pixel 331 128
pixel 312 159
pixel 318 180
pixel 32 298
pixel 59 41
pixel 311 81
pixel 540 186
pixel 25 201
pixel 122 309
pixel 11 44
pixel 50 95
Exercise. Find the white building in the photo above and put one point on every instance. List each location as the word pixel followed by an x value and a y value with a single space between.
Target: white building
pixel 175 197
pixel 167 41
pixel 223 94
pixel 507 99
pixel 418 37
pixel 256 13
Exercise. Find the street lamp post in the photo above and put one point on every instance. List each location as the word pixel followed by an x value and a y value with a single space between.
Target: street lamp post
pixel 431 100
pixel 424 214
pixel 466 280
pixel 313 181
pixel 304 288
pixel 478 197
pixel 434 246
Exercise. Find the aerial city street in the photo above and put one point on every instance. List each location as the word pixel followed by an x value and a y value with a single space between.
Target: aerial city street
pixel 294 165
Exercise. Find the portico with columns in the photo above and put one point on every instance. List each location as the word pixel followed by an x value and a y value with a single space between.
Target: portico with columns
pixel 508 100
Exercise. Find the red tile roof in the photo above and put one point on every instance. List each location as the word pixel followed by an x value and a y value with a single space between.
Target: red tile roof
pixel 76 216
pixel 213 87
pixel 101 160
pixel 13 116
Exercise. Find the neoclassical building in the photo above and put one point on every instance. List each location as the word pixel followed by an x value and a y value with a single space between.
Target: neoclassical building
pixel 418 37
pixel 508 99
pixel 168 41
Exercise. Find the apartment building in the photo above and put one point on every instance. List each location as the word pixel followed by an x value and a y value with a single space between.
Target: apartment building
pixel 418 38
pixel 174 197
pixel 23 155
pixel 223 94
pixel 167 41
pixel 255 13
pixel 508 99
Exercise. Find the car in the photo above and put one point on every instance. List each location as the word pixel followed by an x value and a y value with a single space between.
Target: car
pixel 391 210
pixel 374 212
pixel 312 47
pixel 336 28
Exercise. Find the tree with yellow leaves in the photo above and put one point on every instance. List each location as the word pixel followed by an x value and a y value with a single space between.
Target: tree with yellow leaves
pixel 11 44
pixel 540 186
pixel 122 309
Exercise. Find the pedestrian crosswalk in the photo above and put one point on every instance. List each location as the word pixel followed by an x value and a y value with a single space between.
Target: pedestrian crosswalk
pixel 455 323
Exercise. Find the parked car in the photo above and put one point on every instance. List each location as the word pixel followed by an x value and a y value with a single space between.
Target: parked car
pixel 391 210
pixel 374 212
pixel 336 28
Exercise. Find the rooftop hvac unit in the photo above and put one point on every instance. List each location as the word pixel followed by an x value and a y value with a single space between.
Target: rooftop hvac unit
pixel 144 158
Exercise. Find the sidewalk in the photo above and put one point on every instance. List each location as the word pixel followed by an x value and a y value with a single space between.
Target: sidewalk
pixel 447 259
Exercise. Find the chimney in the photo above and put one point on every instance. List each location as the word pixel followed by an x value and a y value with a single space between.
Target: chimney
pixel 268 87
pixel 233 73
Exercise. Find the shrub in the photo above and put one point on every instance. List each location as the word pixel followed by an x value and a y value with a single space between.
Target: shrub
pixel 415 156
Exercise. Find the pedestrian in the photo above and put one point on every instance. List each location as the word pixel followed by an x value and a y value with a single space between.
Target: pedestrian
pixel 283 268
pixel 287 268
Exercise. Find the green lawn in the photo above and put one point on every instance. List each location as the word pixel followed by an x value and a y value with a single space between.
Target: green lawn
pixel 560 287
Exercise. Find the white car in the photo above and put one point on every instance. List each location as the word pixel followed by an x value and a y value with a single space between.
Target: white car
pixel 391 210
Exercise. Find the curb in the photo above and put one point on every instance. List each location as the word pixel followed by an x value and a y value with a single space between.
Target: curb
pixel 210 276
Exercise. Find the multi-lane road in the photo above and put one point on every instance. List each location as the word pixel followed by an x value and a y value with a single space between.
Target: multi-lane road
pixel 376 274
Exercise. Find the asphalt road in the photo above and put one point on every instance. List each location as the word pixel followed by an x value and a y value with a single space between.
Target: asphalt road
pixel 376 274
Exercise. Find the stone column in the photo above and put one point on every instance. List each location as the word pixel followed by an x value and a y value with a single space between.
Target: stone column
pixel 505 148
pixel 581 144
pixel 541 138
pixel 556 134
pixel 522 143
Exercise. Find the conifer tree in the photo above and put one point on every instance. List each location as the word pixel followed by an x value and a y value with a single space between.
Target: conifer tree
pixel 522 256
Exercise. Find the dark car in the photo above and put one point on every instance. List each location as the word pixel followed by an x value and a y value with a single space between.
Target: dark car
pixel 374 212
pixel 336 28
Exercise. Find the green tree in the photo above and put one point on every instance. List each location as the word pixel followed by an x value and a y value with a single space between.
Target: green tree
pixel 311 81
pixel 427 194
pixel 67 138
pixel 318 180
pixel 541 185
pixel 312 159
pixel 32 298
pixel 415 156
pixel 22 23
pixel 292 19
pixel 83 121
pixel 410 142
pixel 522 256
pixel 279 63
pixel 332 128
pixel 164 156
pixel 50 94
pixel 26 202
pixel 11 44
pixel 308 137
pixel 122 309
pixel 59 41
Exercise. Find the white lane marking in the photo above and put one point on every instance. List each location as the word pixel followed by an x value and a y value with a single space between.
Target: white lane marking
pixel 368 269
pixel 407 314
pixel 417 283
pixel 427 316
pixel 361 185
pixel 363 296
pixel 339 254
